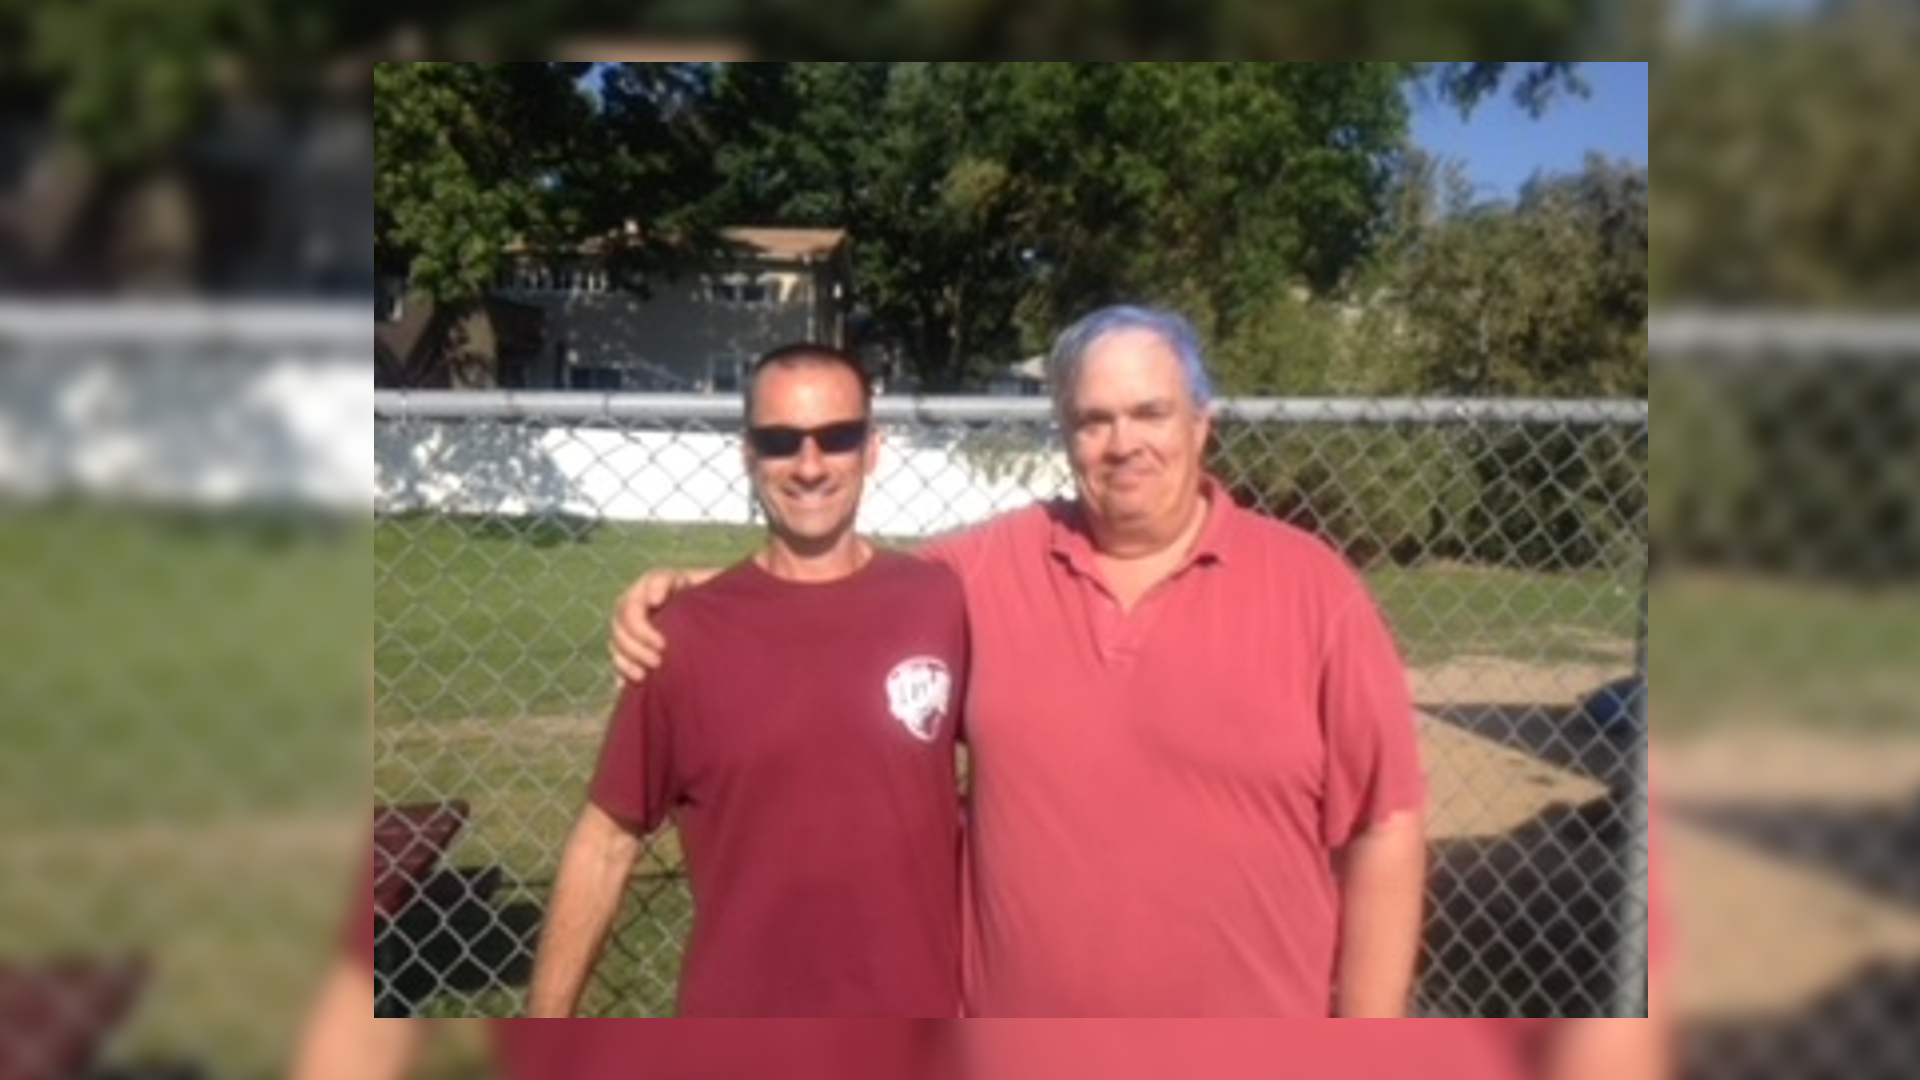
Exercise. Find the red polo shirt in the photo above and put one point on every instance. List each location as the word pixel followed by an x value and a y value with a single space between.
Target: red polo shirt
pixel 1157 793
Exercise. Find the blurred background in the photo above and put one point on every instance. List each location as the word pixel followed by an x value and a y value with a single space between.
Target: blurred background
pixel 187 395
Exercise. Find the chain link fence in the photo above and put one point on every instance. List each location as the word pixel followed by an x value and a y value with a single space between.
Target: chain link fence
pixel 1785 528
pixel 1504 538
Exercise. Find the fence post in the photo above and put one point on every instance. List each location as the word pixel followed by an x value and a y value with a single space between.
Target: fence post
pixel 1630 968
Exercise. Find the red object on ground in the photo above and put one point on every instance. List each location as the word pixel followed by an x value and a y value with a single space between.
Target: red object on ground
pixel 56 1015
pixel 408 843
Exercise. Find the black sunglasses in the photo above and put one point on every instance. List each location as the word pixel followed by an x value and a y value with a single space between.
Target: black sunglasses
pixel 780 441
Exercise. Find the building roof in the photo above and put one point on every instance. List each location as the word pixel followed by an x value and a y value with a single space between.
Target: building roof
pixel 787 243
pixel 770 242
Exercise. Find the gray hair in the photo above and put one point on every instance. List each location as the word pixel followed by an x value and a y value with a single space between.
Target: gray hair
pixel 1070 349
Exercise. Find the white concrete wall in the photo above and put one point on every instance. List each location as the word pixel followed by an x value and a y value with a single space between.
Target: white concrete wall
pixel 234 406
pixel 182 404
pixel 922 485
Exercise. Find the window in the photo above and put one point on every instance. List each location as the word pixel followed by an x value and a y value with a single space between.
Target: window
pixel 565 277
pixel 725 374
pixel 389 299
pixel 595 378
pixel 738 289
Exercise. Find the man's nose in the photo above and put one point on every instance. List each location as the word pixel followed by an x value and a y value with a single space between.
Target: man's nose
pixel 809 462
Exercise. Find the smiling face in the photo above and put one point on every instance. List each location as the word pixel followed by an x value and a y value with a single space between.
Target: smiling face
pixel 1137 441
pixel 811 496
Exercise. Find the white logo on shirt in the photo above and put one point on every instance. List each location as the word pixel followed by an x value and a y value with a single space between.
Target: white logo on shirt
pixel 918 692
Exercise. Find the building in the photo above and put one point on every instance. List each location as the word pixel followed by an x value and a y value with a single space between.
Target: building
pixel 696 331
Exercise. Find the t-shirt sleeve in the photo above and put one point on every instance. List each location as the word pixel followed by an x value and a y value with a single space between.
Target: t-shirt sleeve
pixel 1373 751
pixel 633 780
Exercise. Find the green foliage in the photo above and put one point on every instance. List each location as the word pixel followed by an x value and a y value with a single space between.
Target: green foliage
pixel 1546 296
pixel 1809 471
pixel 125 78
pixel 1550 499
pixel 1376 493
pixel 981 225
pixel 1783 178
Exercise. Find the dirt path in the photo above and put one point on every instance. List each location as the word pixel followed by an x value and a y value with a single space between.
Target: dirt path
pixel 1791 853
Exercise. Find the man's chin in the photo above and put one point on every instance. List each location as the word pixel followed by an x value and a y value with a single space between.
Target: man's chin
pixel 1128 508
pixel 811 538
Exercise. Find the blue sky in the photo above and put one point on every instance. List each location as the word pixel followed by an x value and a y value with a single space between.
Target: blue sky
pixel 1501 145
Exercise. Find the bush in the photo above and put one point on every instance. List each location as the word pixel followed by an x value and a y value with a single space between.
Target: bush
pixel 1374 493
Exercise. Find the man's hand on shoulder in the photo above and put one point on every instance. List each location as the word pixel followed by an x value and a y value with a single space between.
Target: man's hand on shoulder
pixel 637 645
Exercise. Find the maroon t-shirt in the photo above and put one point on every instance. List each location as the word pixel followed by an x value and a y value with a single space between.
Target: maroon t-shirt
pixel 801 738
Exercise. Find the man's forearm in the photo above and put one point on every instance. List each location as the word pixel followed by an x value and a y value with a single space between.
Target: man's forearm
pixel 1615 1049
pixel 1382 885
pixel 1608 1050
pixel 586 896
pixel 342 1039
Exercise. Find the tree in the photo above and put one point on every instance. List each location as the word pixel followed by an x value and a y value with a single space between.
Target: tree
pixel 1778 186
pixel 888 152
pixel 1212 186
pixel 1543 296
pixel 467 159
pixel 992 202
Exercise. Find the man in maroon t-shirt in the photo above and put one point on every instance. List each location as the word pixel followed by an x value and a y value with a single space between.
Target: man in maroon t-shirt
pixel 801 739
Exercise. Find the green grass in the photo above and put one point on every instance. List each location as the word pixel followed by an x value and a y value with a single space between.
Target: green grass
pixel 1747 651
pixel 480 618
pixel 183 720
pixel 1444 612
pixel 493 672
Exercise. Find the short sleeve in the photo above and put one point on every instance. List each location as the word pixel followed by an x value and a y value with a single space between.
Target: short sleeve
pixel 1373 750
pixel 633 780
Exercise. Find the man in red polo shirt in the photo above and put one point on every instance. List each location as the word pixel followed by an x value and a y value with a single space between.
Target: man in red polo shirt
pixel 1196 783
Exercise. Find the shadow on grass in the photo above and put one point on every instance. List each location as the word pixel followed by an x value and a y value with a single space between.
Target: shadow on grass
pixel 1863 1030
pixel 454 940
pixel 1563 736
pixel 1527 923
pixel 1874 847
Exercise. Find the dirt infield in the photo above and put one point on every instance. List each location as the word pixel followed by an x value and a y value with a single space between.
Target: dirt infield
pixel 1791 854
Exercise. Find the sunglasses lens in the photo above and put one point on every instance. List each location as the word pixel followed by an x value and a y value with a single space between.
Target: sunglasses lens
pixel 842 438
pixel 775 442
pixel 784 442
